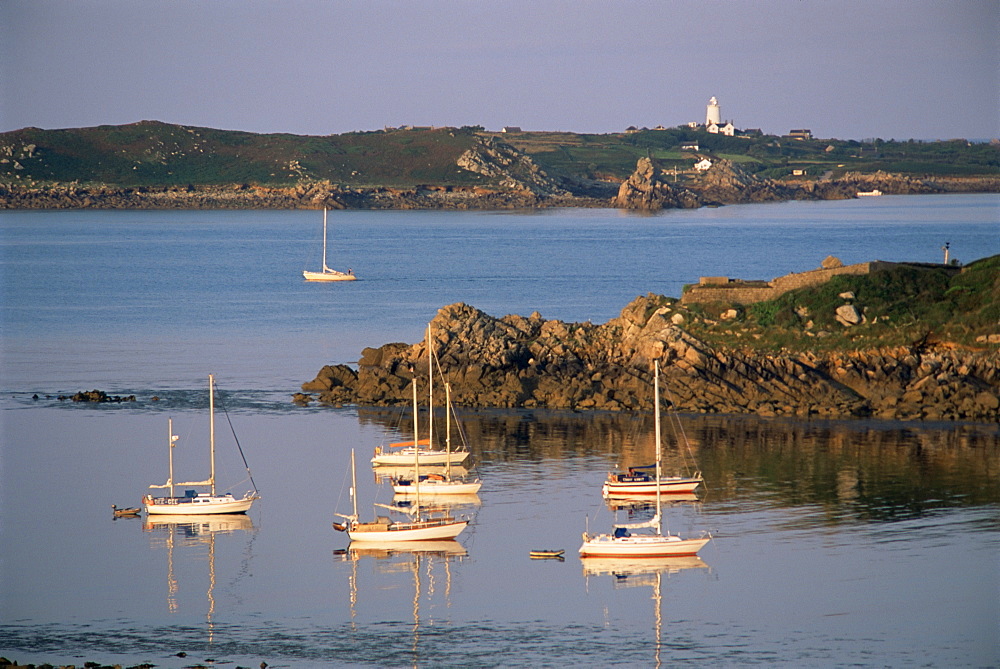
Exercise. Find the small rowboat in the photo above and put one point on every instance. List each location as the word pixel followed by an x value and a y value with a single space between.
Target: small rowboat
pixel 546 553
pixel 121 513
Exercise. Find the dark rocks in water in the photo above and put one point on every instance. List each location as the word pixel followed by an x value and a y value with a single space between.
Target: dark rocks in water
pixel 530 362
pixel 97 396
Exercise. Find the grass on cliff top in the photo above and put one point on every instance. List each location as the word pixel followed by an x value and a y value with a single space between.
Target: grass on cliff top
pixel 902 306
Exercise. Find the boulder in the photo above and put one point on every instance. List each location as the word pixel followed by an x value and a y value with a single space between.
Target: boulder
pixel 848 315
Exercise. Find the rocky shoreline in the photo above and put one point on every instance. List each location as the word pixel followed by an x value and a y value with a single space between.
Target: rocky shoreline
pixel 530 362
pixel 529 187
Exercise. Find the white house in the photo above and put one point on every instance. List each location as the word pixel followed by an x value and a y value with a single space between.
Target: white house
pixel 703 164
pixel 726 128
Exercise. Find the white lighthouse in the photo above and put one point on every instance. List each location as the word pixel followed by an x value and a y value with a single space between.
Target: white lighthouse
pixel 712 113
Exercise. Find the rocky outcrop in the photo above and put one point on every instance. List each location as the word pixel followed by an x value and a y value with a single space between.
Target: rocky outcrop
pixel 646 190
pixel 726 183
pixel 509 168
pixel 849 185
pixel 528 362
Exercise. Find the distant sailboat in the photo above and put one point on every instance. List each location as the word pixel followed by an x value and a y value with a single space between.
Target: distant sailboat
pixel 622 543
pixel 194 502
pixel 328 274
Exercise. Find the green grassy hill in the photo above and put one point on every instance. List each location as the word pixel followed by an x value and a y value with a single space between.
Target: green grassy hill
pixel 151 153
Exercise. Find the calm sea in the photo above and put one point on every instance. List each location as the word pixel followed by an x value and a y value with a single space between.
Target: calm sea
pixel 835 542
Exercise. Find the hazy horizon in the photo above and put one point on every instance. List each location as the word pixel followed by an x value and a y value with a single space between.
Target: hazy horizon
pixel 926 69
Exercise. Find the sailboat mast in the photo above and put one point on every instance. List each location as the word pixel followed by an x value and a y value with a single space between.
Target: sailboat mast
pixel 354 485
pixel 656 393
pixel 170 449
pixel 211 427
pixel 447 427
pixel 325 268
pixel 430 390
pixel 416 447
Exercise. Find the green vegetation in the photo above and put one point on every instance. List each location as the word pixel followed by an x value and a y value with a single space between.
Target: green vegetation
pixel 150 153
pixel 902 306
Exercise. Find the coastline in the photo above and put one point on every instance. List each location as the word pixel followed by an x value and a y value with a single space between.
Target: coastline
pixel 645 193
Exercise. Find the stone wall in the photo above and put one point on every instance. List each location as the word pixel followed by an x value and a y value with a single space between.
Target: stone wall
pixel 748 292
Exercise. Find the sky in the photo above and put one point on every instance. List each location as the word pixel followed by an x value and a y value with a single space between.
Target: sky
pixel 846 69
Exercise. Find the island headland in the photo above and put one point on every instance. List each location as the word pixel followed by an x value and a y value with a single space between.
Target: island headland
pixel 887 340
pixel 153 165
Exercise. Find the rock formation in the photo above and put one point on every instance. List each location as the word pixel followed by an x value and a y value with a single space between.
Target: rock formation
pixel 726 183
pixel 511 168
pixel 645 190
pixel 529 362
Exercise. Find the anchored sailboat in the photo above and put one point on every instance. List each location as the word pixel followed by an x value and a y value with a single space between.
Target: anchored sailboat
pixel 407 452
pixel 622 543
pixel 435 484
pixel 194 502
pixel 636 481
pixel 328 274
pixel 385 530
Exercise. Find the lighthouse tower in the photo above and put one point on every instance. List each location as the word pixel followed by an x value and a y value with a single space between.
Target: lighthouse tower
pixel 712 113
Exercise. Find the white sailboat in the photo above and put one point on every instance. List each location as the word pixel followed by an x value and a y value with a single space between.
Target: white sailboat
pixel 638 481
pixel 384 530
pixel 435 484
pixel 622 543
pixel 407 452
pixel 194 502
pixel 328 274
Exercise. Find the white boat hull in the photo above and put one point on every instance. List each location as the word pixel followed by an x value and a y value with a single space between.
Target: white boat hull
pixel 430 487
pixel 328 276
pixel 415 531
pixel 196 506
pixel 640 546
pixel 668 486
pixel 407 456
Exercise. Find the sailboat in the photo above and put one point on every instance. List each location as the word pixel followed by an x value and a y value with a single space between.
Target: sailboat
pixel 407 452
pixel 640 481
pixel 435 484
pixel 384 530
pixel 194 502
pixel 328 274
pixel 622 543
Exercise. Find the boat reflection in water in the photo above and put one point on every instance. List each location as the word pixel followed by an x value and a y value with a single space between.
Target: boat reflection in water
pixel 645 503
pixel 632 573
pixel 183 531
pixel 424 560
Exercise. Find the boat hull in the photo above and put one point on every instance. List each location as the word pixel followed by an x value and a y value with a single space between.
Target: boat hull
pixel 407 456
pixel 668 486
pixel 640 546
pixel 417 531
pixel 328 276
pixel 196 506
pixel 437 488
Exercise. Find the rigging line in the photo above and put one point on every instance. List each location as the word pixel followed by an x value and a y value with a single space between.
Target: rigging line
pixel 451 406
pixel 233 430
pixel 674 418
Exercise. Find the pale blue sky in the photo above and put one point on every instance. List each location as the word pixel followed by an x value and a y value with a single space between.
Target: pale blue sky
pixel 847 69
